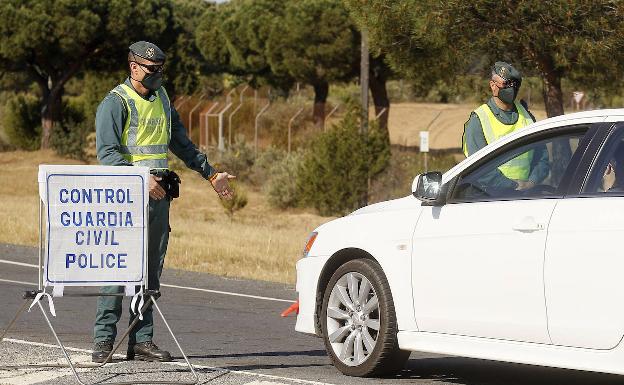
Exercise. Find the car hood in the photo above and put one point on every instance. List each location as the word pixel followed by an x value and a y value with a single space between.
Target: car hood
pixel 391 205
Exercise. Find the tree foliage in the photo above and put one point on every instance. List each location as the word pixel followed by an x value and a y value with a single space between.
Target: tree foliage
pixel 52 41
pixel 185 64
pixel 316 43
pixel 279 42
pixel 576 39
pixel 234 37
pixel 408 33
pixel 338 164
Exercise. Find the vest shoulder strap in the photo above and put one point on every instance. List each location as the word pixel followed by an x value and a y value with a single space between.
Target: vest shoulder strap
pixel 523 111
pixel 483 113
pixel 122 95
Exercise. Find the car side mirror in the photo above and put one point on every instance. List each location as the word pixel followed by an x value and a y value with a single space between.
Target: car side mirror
pixel 427 187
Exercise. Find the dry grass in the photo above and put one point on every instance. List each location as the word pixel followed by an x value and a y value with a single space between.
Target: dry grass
pixel 260 242
pixel 408 119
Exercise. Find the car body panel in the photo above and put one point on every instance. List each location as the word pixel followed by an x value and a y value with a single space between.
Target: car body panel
pixel 475 275
pixel 606 361
pixel 583 273
pixel 385 233
pixel 308 272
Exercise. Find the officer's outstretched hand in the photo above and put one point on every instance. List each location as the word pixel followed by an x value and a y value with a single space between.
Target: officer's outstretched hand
pixel 156 191
pixel 220 183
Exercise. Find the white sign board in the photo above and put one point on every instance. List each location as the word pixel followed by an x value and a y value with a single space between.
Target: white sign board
pixel 578 96
pixel 424 141
pixel 97 217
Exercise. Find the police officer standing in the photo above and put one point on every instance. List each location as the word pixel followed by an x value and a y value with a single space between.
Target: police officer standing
pixel 136 124
pixel 500 116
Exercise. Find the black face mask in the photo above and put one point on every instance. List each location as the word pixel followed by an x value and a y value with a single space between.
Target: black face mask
pixel 508 95
pixel 152 81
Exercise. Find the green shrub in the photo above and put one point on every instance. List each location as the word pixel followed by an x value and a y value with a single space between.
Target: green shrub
pixel 396 180
pixel 261 171
pixel 70 138
pixel 336 168
pixel 281 185
pixel 238 201
pixel 21 120
pixel 237 160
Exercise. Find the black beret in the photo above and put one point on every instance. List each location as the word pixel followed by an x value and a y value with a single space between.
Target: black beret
pixel 506 71
pixel 147 50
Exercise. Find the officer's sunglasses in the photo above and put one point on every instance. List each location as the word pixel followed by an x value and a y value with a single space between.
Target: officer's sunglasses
pixel 510 83
pixel 151 67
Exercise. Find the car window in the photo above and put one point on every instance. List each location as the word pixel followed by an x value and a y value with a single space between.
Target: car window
pixel 607 174
pixel 532 170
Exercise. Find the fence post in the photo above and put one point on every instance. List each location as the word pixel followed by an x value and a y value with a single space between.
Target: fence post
pixel 221 145
pixel 256 128
pixel 190 128
pixel 329 115
pixel 182 100
pixel 228 97
pixel 230 124
pixel 381 113
pixel 242 93
pixel 290 122
pixel 206 126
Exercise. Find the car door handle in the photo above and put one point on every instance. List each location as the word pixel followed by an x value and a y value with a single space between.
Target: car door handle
pixel 528 224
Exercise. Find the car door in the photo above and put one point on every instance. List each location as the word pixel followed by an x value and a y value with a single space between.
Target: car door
pixel 478 260
pixel 585 257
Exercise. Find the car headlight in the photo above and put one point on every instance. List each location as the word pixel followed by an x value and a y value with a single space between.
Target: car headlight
pixel 309 244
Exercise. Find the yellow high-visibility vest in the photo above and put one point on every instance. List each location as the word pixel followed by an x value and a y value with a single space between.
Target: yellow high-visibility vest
pixel 518 168
pixel 146 134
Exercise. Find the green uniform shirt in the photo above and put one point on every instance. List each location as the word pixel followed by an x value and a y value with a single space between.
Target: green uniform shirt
pixel 475 140
pixel 110 121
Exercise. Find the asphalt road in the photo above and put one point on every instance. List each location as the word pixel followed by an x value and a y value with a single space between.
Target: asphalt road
pixel 232 339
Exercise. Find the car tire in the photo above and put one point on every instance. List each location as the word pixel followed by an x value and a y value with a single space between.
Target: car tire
pixel 348 341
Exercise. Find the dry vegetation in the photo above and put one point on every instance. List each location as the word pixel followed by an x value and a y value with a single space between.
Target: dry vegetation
pixel 259 243
pixel 445 123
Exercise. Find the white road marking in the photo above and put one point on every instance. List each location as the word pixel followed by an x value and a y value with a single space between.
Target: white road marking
pixel 34 376
pixel 265 383
pixel 233 371
pixel 162 284
pixel 18 263
pixel 18 282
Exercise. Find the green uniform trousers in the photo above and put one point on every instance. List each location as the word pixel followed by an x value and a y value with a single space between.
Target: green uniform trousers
pixel 109 308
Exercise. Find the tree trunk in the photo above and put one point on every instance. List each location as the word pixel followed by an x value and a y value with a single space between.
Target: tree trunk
pixel 553 101
pixel 50 115
pixel 321 89
pixel 553 96
pixel 378 89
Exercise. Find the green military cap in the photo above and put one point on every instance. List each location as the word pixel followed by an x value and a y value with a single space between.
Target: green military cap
pixel 147 50
pixel 506 71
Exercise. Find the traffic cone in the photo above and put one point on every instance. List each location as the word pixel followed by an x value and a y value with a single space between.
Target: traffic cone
pixel 292 308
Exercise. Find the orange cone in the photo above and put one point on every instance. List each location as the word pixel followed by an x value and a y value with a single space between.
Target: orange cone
pixel 292 308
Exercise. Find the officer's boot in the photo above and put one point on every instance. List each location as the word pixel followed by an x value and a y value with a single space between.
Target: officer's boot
pixel 147 351
pixel 101 350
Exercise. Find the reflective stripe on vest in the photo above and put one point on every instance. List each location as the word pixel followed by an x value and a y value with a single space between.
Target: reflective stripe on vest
pixel 146 134
pixel 519 167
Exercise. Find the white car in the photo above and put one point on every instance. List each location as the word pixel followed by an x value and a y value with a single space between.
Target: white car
pixel 475 264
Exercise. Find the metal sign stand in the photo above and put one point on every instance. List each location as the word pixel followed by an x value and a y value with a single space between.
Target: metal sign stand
pixel 29 296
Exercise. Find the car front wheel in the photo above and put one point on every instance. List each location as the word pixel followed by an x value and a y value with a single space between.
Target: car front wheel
pixel 359 322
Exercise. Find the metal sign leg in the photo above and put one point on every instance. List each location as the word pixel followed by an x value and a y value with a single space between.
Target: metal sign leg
pixel 19 312
pixel 152 295
pixel 177 344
